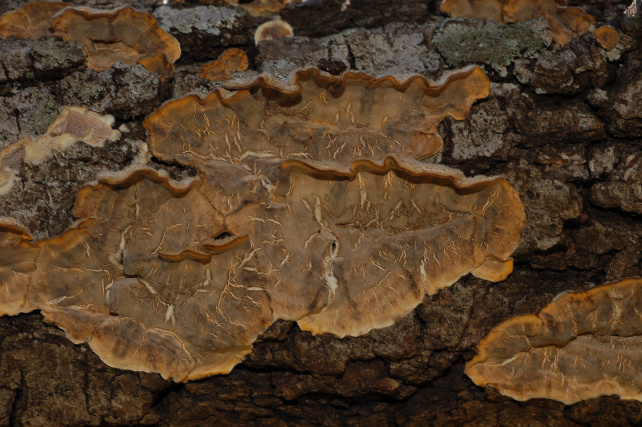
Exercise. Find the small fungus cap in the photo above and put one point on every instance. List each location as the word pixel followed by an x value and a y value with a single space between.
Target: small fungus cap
pixel 231 61
pixel 273 30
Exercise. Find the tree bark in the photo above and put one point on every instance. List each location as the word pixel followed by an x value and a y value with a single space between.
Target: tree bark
pixel 563 125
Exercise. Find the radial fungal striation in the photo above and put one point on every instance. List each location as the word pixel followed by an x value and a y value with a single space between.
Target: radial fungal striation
pixel 580 346
pixel 311 206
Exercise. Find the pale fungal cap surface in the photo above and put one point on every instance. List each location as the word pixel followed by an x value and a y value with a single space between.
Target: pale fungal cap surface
pixel 273 30
pixel 580 346
pixel 124 35
pixel 74 124
pixel 229 62
pixel 566 22
pixel 31 21
pixel 319 117
pixel 156 278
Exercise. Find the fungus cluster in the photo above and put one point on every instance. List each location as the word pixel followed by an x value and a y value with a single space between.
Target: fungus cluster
pixel 122 35
pixel 310 206
pixel 580 346
pixel 565 21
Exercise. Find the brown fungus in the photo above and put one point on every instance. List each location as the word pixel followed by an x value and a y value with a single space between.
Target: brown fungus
pixel 31 21
pixel 319 117
pixel 156 278
pixel 124 35
pixel 566 22
pixel 607 37
pixel 580 346
pixel 229 62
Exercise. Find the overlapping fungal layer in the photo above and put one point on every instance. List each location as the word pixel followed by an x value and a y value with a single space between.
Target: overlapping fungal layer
pixel 319 117
pixel 74 124
pixel 124 35
pixel 156 278
pixel 31 21
pixel 566 22
pixel 107 37
pixel 580 346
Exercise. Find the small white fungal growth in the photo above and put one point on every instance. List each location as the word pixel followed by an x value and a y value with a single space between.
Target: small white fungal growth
pixel 72 125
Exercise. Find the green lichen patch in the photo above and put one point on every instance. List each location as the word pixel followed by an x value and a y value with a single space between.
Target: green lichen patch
pixel 464 41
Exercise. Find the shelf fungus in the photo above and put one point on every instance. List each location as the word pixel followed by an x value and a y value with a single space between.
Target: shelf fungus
pixel 124 35
pixel 229 62
pixel 581 346
pixel 271 30
pixel 31 21
pixel 156 278
pixel 565 21
pixel 74 124
pixel 319 117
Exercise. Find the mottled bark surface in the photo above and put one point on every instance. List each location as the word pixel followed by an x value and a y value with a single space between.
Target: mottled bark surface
pixel 564 126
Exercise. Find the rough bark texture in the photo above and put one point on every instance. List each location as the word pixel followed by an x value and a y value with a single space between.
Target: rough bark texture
pixel 563 125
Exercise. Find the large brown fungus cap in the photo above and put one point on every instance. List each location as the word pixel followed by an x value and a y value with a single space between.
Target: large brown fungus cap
pixel 155 278
pixel 320 117
pixel 31 21
pixel 566 22
pixel 580 346
pixel 124 35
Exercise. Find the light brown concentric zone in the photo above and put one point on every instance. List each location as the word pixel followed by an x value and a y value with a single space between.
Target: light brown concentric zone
pixel 319 117
pixel 565 21
pixel 155 278
pixel 580 346
pixel 31 21
pixel 124 35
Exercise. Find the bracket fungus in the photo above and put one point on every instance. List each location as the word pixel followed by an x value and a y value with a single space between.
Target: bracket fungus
pixel 565 21
pixel 229 62
pixel 580 346
pixel 319 117
pixel 155 278
pixel 274 29
pixel 308 207
pixel 73 124
pixel 31 21
pixel 124 35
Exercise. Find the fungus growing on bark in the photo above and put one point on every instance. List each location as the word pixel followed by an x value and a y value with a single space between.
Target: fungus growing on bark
pixel 124 35
pixel 156 278
pixel 229 62
pixel 580 346
pixel 31 21
pixel 566 22
pixel 319 117
pixel 74 124
pixel 607 37
pixel 273 30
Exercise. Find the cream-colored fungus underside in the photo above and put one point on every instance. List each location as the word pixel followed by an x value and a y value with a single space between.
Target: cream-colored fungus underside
pixel 580 346
pixel 74 124
pixel 155 278
pixel 320 117
pixel 566 22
